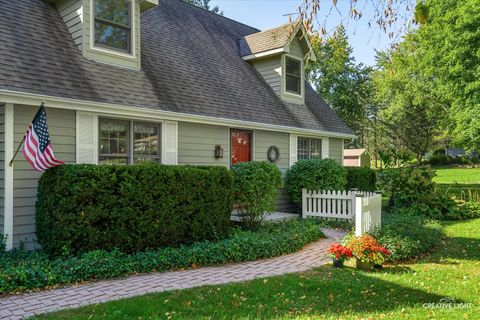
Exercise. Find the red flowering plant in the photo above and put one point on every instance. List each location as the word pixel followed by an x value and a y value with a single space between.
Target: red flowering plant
pixel 339 252
pixel 367 249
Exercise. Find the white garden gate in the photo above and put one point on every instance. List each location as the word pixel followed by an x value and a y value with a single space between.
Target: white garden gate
pixel 362 208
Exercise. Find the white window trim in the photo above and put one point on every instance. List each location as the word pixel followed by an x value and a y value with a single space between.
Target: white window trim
pixel 131 120
pixel 325 147
pixel 133 30
pixel 164 147
pixel 93 146
pixel 8 176
pixel 293 149
pixel 284 76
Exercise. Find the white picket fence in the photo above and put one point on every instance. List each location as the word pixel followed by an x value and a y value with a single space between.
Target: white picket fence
pixel 362 208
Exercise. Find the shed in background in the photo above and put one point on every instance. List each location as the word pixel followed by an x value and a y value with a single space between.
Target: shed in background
pixel 356 158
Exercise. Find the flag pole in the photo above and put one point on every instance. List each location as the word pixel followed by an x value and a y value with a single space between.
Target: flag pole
pixel 11 161
pixel 10 164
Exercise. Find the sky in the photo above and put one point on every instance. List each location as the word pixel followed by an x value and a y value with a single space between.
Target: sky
pixel 266 14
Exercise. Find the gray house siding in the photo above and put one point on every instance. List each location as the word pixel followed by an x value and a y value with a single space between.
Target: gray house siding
pixel 266 139
pixel 61 124
pixel 2 165
pixel 196 144
pixel 336 149
pixel 271 71
pixel 296 49
pixel 71 12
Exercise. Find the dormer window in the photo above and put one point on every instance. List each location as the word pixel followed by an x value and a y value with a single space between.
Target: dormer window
pixel 293 76
pixel 113 24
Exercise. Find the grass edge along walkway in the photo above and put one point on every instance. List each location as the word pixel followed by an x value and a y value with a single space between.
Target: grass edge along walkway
pixel 404 291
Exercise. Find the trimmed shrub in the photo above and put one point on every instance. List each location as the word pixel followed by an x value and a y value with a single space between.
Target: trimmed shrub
pixel 364 179
pixel 408 186
pixel 441 159
pixel 408 235
pixel 255 189
pixel 325 174
pixel 82 208
pixel 22 270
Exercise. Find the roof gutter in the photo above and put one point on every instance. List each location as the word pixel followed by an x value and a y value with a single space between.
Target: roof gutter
pixel 17 97
pixel 265 54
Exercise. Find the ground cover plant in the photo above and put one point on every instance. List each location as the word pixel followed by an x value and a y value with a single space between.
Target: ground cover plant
pixel 402 291
pixel 23 270
pixel 408 235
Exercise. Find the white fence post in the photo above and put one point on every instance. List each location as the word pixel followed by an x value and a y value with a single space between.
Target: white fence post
pixel 359 214
pixel 378 193
pixel 352 193
pixel 304 203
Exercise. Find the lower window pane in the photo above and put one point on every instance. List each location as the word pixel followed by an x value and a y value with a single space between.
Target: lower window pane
pixel 146 142
pixel 112 160
pixel 111 36
pixel 146 159
pixel 315 149
pixel 293 84
pixel 114 146
pixel 302 149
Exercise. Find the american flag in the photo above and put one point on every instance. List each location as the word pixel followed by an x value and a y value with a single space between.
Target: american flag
pixel 37 147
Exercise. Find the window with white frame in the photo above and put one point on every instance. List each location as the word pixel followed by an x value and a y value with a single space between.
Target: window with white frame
pixel 113 24
pixel 293 75
pixel 308 148
pixel 126 142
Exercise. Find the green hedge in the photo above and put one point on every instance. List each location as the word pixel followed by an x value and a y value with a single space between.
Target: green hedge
pixel 22 270
pixel 363 179
pixel 131 208
pixel 325 174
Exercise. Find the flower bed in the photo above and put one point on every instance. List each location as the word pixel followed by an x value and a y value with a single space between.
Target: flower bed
pixel 22 270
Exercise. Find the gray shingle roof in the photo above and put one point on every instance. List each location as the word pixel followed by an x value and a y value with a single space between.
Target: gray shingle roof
pixel 190 64
pixel 266 40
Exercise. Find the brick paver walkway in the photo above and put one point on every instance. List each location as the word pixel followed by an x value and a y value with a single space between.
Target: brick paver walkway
pixel 26 305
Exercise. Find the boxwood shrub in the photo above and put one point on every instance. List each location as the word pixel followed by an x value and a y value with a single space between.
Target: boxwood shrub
pixel 131 208
pixel 361 178
pixel 325 174
pixel 23 270
pixel 256 186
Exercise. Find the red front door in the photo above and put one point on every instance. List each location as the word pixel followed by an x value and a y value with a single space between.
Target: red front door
pixel 241 145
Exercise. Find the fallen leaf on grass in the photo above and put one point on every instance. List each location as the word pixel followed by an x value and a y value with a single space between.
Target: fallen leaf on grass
pixel 330 296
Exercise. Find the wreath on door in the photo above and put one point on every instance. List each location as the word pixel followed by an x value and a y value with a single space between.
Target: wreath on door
pixel 273 154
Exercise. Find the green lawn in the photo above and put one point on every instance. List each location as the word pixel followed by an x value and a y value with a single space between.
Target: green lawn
pixel 397 292
pixel 461 182
pixel 457 175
